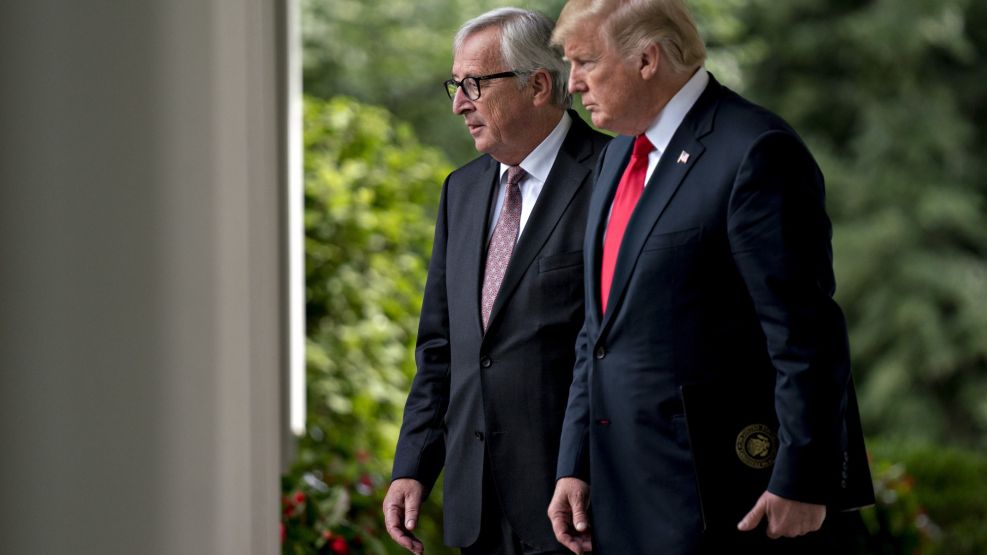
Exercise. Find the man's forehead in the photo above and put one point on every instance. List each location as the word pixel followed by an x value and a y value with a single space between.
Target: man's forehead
pixel 583 38
pixel 475 65
pixel 580 45
pixel 473 57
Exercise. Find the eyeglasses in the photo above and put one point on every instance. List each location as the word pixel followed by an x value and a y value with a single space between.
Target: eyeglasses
pixel 471 85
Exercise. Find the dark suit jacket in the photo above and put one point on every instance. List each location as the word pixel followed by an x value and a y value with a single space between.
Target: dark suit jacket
pixel 724 273
pixel 504 391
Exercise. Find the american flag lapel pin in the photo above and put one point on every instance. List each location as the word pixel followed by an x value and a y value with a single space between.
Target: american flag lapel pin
pixel 683 158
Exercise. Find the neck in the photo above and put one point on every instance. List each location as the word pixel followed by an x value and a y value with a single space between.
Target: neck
pixel 541 125
pixel 669 85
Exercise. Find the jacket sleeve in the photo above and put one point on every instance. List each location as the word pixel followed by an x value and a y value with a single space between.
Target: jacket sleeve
pixel 420 452
pixel 574 444
pixel 779 237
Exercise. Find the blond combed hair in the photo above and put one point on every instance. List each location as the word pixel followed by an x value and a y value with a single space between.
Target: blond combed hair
pixel 631 25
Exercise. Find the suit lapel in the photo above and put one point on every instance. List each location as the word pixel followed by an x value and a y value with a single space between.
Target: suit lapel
pixel 479 223
pixel 665 181
pixel 616 156
pixel 564 181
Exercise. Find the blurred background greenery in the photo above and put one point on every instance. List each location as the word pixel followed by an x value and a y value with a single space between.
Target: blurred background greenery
pixel 891 96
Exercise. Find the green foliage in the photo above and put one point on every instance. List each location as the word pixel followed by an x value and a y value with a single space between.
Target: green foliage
pixel 315 519
pixel 897 524
pixel 930 500
pixel 370 193
pixel 890 96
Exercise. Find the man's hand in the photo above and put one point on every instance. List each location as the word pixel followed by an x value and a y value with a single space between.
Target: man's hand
pixel 401 505
pixel 568 512
pixel 786 518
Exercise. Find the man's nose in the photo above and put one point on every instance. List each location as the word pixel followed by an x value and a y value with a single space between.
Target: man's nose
pixel 576 84
pixel 460 103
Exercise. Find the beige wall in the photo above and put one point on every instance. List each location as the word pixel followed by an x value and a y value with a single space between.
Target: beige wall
pixel 141 312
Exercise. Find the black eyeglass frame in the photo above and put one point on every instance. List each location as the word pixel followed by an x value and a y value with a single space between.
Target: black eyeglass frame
pixel 451 85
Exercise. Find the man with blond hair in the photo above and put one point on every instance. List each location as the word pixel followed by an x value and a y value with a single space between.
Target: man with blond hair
pixel 708 262
pixel 503 300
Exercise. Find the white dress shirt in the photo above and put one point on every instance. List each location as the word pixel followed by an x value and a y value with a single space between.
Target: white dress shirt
pixel 670 118
pixel 537 165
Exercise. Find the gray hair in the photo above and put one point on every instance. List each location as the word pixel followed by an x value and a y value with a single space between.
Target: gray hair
pixel 524 45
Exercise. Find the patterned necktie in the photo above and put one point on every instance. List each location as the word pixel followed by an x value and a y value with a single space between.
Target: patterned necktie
pixel 502 242
pixel 628 192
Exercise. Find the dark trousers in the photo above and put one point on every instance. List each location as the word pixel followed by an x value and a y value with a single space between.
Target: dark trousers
pixel 496 535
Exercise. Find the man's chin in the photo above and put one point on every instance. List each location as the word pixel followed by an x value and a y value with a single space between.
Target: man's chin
pixel 480 144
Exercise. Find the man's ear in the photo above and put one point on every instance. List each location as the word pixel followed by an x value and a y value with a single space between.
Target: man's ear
pixel 650 60
pixel 541 87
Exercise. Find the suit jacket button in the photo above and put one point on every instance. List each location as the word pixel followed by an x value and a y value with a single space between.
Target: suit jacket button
pixel 485 362
pixel 478 435
pixel 601 353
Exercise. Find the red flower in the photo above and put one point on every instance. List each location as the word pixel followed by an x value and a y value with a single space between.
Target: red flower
pixel 299 497
pixel 327 534
pixel 339 546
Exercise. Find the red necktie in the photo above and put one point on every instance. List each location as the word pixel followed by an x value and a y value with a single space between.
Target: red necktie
pixel 628 192
pixel 502 242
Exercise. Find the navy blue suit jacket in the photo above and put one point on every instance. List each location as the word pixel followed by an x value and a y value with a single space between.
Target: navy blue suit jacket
pixel 502 392
pixel 724 273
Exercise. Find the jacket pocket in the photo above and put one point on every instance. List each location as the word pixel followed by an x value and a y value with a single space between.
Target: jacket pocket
pixel 667 240
pixel 559 261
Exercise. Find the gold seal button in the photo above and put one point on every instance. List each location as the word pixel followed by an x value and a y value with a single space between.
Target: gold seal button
pixel 757 446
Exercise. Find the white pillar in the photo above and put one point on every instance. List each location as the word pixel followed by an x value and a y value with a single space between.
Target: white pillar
pixel 142 341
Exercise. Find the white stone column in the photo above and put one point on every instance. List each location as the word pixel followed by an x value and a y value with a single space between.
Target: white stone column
pixel 142 313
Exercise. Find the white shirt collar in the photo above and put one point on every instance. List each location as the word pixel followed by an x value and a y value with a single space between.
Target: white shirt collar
pixel 539 162
pixel 671 116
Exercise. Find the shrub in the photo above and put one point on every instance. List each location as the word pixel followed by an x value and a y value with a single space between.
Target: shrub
pixel 370 194
pixel 931 500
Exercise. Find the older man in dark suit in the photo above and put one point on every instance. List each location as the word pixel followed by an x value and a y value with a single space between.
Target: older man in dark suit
pixel 503 301
pixel 708 261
